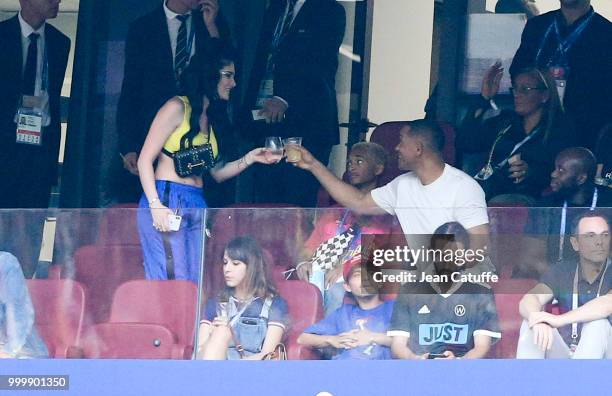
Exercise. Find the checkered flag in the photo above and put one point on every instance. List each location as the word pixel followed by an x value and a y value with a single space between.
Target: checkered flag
pixel 330 251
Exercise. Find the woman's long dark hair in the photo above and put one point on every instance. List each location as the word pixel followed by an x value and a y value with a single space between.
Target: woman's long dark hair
pixel 257 278
pixel 201 79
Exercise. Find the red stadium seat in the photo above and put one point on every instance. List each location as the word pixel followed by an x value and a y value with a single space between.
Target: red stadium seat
pixel 130 341
pixel 387 135
pixel 508 219
pixel 507 224
pixel 508 294
pixel 102 269
pixel 148 320
pixel 305 308
pixel 172 304
pixel 59 305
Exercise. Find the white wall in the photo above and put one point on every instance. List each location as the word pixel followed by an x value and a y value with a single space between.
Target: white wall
pixel 400 59
pixel 337 161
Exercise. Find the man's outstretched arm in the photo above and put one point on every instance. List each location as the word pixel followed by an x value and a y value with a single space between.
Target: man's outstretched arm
pixel 343 193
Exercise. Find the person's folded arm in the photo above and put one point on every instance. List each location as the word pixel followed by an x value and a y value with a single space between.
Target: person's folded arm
pixel 482 345
pixel 535 300
pixel 598 308
pixel 401 350
pixel 318 341
pixel 382 339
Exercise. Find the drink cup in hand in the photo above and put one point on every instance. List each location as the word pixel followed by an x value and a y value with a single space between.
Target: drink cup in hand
pixel 274 148
pixel 222 309
pixel 293 155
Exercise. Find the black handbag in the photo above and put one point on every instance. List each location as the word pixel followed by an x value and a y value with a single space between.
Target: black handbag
pixel 194 160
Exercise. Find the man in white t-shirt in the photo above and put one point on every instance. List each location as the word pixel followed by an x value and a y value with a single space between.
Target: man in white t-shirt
pixel 432 194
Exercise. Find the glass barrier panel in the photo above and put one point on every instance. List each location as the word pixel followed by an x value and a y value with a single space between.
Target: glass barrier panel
pixel 325 283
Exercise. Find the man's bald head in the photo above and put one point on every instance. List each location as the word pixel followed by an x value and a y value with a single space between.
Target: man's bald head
pixel 582 158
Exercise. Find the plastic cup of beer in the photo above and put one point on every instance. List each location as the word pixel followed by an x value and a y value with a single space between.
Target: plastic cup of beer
pixel 274 147
pixel 293 154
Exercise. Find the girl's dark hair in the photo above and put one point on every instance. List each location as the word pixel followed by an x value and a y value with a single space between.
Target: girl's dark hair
pixel 201 79
pixel 552 109
pixel 451 232
pixel 258 280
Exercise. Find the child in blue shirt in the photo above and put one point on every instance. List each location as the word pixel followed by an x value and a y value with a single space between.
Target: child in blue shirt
pixel 356 330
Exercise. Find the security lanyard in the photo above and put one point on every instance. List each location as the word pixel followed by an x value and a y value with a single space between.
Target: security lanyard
pixel 563 46
pixel 564 221
pixel 517 147
pixel 278 33
pixel 575 296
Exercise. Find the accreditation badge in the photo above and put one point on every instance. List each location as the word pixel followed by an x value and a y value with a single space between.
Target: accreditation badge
pixel 560 75
pixel 30 119
pixel 485 173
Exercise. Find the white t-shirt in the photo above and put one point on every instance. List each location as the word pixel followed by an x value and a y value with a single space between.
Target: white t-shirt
pixel 454 196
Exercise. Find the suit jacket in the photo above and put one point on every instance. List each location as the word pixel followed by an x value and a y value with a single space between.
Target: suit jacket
pixel 15 159
pixel 149 79
pixel 587 96
pixel 305 69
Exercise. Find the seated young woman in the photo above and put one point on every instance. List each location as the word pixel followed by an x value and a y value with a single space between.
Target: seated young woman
pixel 248 312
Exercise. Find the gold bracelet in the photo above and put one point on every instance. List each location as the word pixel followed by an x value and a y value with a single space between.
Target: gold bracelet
pixel 153 201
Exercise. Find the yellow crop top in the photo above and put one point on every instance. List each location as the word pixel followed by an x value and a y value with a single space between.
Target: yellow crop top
pixel 173 144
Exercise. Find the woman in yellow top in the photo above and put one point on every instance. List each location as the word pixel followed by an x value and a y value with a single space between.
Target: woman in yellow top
pixel 199 117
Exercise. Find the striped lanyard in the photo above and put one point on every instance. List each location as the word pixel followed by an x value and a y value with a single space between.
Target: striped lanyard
pixel 563 46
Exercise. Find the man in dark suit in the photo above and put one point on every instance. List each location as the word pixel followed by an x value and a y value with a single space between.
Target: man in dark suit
pixel 159 46
pixel 292 87
pixel 34 56
pixel 575 44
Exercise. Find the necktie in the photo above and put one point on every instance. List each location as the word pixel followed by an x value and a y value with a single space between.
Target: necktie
pixel 288 18
pixel 181 57
pixel 31 66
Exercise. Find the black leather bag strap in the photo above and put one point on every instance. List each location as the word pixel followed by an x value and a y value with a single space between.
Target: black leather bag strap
pixel 166 237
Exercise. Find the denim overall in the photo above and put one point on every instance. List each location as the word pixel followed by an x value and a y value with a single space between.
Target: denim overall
pixel 250 332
